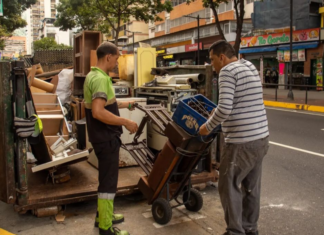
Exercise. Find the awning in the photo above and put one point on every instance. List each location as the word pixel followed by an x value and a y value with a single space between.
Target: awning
pixel 258 49
pixel 305 45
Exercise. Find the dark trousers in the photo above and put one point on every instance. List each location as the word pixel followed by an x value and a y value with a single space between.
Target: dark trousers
pixel 240 184
pixel 108 164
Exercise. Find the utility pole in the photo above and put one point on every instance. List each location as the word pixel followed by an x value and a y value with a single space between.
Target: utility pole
pixel 198 18
pixel 290 93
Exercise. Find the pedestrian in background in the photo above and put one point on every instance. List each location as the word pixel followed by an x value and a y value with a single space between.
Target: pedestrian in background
pixel 244 122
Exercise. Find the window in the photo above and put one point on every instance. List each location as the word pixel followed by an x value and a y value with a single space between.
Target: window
pixel 225 7
pixel 226 29
pixel 221 8
pixel 233 27
pixel 208 15
pixel 229 6
pixel 177 2
pixel 167 23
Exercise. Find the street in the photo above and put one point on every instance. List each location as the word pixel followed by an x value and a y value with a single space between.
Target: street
pixel 291 200
pixel 292 186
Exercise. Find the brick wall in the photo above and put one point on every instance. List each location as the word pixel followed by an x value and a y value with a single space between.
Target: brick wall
pixel 53 59
pixel 54 56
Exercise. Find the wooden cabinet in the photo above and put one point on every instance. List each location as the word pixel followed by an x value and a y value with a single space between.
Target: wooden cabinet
pixel 84 42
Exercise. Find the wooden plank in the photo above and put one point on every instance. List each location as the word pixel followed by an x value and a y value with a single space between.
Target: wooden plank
pixel 47 112
pixel 93 58
pixel 36 90
pixel 51 139
pixel 60 161
pixel 44 107
pixel 74 111
pixel 52 126
pixel 51 116
pixel 51 73
pixel 45 98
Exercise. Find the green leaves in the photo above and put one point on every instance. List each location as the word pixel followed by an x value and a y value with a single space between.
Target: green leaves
pixel 48 43
pixel 77 13
pixel 11 19
pixel 107 14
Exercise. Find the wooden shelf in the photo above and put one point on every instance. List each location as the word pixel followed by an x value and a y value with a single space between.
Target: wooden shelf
pixel 84 42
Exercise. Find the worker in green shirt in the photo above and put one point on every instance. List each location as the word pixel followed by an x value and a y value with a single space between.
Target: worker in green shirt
pixel 104 127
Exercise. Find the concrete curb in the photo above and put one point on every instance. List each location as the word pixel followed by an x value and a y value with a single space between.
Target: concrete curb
pixel 306 107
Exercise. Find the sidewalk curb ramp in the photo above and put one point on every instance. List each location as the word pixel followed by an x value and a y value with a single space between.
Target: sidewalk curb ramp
pixel 305 107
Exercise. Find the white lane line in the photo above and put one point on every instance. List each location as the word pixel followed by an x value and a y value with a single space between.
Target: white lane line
pixel 297 149
pixel 296 111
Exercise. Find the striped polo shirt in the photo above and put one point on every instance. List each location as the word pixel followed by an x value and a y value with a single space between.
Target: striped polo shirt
pixel 240 108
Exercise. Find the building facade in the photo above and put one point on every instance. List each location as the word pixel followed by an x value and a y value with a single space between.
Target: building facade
pixel 176 36
pixel 268 46
pixel 129 33
pixel 15 47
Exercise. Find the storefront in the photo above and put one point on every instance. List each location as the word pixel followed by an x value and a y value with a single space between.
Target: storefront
pixel 181 55
pixel 272 52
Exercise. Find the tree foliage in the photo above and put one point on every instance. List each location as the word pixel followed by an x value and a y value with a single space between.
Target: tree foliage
pixel 116 11
pixel 11 19
pixel 107 14
pixel 48 43
pixel 77 14
pixel 239 13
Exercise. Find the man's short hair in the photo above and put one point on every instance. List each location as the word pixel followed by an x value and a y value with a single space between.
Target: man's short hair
pixel 222 47
pixel 106 48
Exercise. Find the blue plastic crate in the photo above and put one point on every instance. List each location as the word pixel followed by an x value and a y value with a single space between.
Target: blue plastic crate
pixel 189 119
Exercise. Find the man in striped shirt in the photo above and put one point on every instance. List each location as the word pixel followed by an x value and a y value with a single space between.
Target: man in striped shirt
pixel 244 123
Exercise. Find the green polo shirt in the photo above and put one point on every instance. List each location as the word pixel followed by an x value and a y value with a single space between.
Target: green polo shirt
pixel 99 85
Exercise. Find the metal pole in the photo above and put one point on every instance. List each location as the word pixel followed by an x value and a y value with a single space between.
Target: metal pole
pixel 290 93
pixel 133 44
pixel 198 18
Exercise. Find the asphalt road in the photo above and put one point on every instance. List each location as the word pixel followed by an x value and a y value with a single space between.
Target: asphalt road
pixel 292 184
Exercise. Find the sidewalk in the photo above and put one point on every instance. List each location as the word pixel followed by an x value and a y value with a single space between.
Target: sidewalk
pixel 315 99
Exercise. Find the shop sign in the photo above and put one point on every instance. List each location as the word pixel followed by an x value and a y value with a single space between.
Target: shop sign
pixel 174 50
pixel 162 51
pixel 319 74
pixel 297 55
pixel 166 57
pixel 193 47
pixel 305 35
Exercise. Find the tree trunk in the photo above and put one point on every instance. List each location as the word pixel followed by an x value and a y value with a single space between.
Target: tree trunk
pixel 239 23
pixel 213 7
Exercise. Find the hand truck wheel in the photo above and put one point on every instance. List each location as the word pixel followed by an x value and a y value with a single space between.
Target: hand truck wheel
pixel 195 202
pixel 161 211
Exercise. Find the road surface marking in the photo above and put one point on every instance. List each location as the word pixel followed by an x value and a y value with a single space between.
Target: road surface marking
pixel 297 149
pixel 296 111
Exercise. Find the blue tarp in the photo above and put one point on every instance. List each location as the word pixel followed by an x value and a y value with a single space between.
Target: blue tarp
pixel 305 45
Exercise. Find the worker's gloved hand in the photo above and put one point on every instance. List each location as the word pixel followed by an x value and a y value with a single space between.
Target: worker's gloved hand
pixel 25 127
pixel 131 126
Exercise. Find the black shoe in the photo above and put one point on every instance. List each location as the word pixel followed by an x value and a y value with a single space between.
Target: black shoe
pixel 113 231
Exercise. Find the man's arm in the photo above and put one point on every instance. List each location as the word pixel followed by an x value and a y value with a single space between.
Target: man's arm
pixel 227 85
pixel 99 112
pixel 126 104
